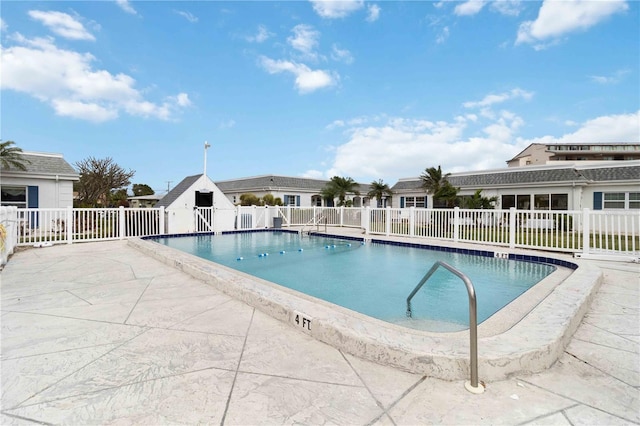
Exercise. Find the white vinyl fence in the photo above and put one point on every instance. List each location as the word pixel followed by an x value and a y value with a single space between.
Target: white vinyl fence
pixel 585 233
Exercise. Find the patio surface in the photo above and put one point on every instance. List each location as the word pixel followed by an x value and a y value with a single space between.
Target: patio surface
pixel 99 333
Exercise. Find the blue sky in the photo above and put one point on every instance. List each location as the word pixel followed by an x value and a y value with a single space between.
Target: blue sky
pixel 368 90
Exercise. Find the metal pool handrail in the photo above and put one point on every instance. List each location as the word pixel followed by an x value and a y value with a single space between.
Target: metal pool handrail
pixel 473 385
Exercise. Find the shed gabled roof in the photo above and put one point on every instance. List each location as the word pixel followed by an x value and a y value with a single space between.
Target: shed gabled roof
pixel 40 163
pixel 178 190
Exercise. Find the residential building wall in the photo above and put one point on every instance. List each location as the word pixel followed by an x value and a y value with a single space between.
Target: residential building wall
pixel 51 193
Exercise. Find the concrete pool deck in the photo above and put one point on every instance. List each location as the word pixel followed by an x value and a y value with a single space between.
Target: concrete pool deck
pixel 99 333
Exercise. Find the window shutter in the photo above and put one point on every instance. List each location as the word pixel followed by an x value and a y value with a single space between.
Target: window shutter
pixel 297 201
pixel 32 197
pixel 402 202
pixel 32 203
pixel 597 200
pixel 286 200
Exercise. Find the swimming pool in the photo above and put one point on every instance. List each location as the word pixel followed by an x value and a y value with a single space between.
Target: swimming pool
pixel 526 336
pixel 372 279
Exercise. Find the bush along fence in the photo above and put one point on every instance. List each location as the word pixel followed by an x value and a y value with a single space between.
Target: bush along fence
pixel 606 234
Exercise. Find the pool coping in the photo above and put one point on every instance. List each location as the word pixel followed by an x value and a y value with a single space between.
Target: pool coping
pixel 531 345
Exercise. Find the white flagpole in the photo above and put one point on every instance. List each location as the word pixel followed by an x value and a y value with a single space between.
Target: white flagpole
pixel 206 146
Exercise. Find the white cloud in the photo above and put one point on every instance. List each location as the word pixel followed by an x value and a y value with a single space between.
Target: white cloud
pixel 443 36
pixel 342 55
pixel 313 174
pixel 182 99
pixel 336 9
pixel 228 124
pixel 374 12
pixel 557 18
pixel 126 6
pixel 304 39
pixel 67 81
pixel 507 7
pixel 261 36
pixel 3 25
pixel 499 98
pixel 468 8
pixel 608 128
pixel 610 79
pixel 402 147
pixel 62 24
pixel 306 79
pixel 187 15
pixel 84 110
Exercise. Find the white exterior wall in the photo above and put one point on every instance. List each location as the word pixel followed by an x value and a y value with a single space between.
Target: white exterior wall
pixel 180 215
pixel 51 193
pixel 588 191
pixel 580 196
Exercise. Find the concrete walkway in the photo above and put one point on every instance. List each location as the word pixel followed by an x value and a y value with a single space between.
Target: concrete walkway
pixel 98 333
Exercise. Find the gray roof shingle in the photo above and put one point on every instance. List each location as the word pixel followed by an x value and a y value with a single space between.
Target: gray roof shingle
pixel 47 164
pixel 275 182
pixel 514 177
pixel 177 191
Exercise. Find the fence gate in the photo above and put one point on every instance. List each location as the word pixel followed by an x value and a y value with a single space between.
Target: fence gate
pixel 203 217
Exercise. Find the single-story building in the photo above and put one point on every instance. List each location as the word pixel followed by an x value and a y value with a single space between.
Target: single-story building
pixel 142 201
pixel 47 182
pixel 602 185
pixel 293 191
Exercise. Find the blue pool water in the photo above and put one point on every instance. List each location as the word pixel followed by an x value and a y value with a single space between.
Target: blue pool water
pixel 373 279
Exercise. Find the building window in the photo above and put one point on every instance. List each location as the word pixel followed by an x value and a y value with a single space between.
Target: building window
pixel 419 202
pixel 559 201
pixel 523 202
pixel 621 200
pixel 508 201
pixel 292 200
pixel 540 201
pixel 14 196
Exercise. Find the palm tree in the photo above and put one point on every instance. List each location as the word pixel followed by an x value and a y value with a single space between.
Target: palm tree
pixel 477 201
pixel 433 180
pixel 339 187
pixel 11 156
pixel 379 190
pixel 437 184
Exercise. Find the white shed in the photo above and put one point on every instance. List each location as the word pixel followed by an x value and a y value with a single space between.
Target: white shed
pixel 192 192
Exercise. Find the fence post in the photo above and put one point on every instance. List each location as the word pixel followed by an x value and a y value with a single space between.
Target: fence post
pixel 341 216
pixel 364 219
pixel 387 221
pixel 254 217
pixel 121 221
pixel 512 227
pixel 412 221
pixel 456 224
pixel 68 229
pixel 586 232
pixel 161 229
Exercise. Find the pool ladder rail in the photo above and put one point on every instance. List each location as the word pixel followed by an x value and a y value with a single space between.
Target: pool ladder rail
pixel 472 385
pixel 315 221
